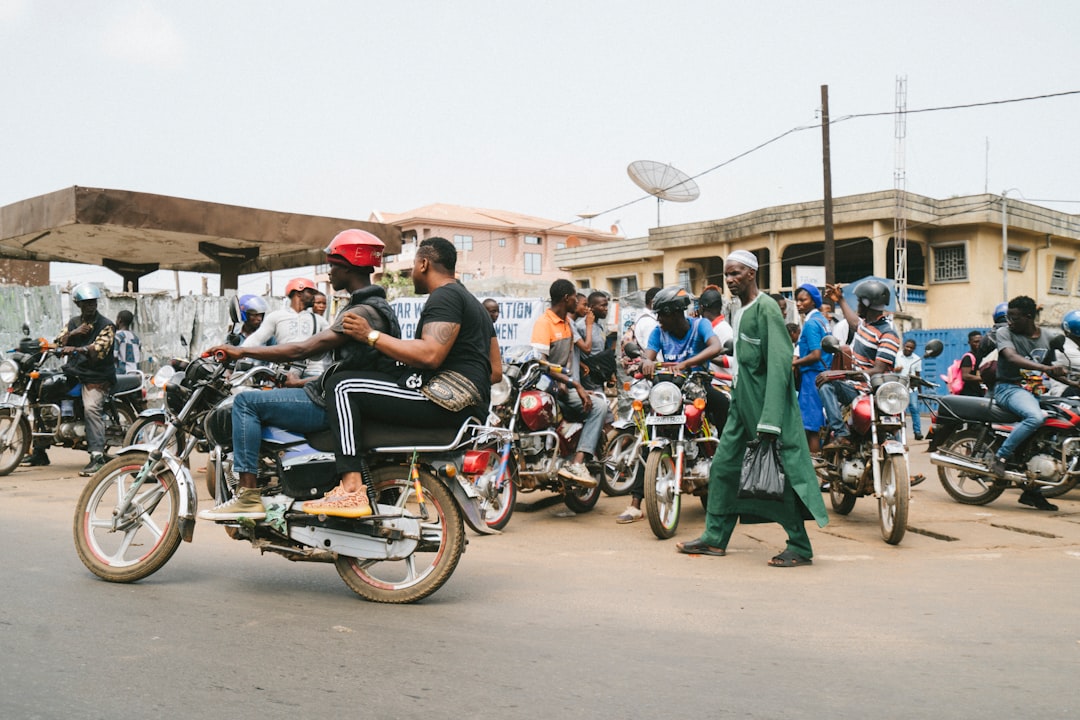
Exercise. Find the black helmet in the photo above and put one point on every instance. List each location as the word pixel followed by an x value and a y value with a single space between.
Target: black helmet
pixel 710 297
pixel 671 300
pixel 872 294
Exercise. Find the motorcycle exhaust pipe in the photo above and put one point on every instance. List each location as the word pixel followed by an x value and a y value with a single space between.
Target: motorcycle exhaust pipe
pixel 972 466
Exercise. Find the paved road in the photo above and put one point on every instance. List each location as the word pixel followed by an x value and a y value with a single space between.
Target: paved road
pixel 563 617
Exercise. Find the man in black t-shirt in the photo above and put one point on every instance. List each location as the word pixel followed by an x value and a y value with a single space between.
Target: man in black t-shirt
pixel 455 333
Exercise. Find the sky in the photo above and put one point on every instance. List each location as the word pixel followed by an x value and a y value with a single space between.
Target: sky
pixel 343 108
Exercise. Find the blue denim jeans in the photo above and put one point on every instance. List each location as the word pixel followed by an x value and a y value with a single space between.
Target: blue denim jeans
pixel 594 421
pixel 286 408
pixel 834 396
pixel 913 411
pixel 1018 401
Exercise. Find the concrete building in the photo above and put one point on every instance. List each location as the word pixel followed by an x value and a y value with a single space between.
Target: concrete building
pixel 954 253
pixel 498 250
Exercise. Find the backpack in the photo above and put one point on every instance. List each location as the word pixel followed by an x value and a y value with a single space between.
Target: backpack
pixel 953 378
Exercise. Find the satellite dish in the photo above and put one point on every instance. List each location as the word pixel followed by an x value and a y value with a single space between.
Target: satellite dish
pixel 663 181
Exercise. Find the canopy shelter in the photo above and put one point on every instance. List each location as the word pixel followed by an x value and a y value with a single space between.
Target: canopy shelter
pixel 134 234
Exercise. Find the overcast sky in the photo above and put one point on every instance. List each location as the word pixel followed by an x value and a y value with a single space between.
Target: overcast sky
pixel 341 108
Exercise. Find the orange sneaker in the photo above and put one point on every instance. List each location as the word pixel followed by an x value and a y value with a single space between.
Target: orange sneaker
pixel 339 503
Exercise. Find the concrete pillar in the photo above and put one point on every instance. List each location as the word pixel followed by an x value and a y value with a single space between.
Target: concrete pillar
pixel 880 239
pixel 130 272
pixel 229 261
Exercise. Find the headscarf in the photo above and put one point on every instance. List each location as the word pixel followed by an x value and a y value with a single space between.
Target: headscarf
pixel 813 292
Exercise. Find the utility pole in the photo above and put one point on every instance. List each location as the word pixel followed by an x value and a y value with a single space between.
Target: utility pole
pixel 830 242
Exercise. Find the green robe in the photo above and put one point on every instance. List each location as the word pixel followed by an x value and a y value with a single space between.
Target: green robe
pixel 764 401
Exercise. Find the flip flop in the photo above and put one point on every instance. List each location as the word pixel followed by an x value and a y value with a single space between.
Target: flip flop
pixel 789 559
pixel 696 547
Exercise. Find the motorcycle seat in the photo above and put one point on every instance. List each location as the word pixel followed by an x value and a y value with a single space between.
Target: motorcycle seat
pixel 376 434
pixel 127 382
pixel 965 407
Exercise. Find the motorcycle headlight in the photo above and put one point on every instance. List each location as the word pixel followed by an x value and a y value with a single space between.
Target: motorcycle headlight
pixel 500 392
pixel 891 398
pixel 640 390
pixel 9 371
pixel 665 398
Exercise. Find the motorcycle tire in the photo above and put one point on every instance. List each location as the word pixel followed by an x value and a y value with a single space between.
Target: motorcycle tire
pixel 1059 490
pixel 842 502
pixel 149 533
pixel 963 487
pixel 663 501
pixel 498 510
pixel 126 417
pixel 11 454
pixel 581 499
pixel 895 495
pixel 437 554
pixel 620 470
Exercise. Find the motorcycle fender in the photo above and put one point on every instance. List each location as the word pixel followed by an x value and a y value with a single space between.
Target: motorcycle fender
pixel 657 443
pixel 189 500
pixel 156 413
pixel 471 508
pixel 893 447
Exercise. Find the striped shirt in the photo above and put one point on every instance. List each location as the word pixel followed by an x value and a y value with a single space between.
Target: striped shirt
pixel 873 342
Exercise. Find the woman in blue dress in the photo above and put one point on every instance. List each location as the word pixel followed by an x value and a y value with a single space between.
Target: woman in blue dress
pixel 811 361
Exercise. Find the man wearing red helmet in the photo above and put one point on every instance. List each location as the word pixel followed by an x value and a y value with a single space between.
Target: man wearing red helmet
pixel 353 255
pixel 293 323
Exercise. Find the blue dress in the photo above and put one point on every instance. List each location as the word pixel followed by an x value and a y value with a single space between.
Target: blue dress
pixel 810 407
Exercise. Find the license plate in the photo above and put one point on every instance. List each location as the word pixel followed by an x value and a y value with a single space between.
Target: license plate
pixel 665 420
pixel 11 398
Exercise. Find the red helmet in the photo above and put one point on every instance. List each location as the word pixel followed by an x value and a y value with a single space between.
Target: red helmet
pixel 358 248
pixel 298 285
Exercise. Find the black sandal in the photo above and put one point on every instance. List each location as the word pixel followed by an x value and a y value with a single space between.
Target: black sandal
pixel 789 559
pixel 696 547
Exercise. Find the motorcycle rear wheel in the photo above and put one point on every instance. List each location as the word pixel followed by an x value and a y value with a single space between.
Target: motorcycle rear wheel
pixel 11 454
pixel 842 502
pixel 580 499
pixel 895 494
pixel 620 469
pixel 663 502
pixel 436 556
pixel 150 533
pixel 498 510
pixel 966 488
pixel 147 430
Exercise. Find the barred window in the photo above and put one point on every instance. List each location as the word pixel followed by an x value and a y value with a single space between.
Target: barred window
pixel 1015 259
pixel 1059 278
pixel 621 286
pixel 950 263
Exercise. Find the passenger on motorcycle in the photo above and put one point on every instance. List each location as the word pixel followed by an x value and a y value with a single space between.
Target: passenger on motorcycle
pixel 873 351
pixel 352 256
pixel 293 323
pixel 88 343
pixel 252 310
pixel 711 307
pixel 455 339
pixel 1023 349
pixel 553 337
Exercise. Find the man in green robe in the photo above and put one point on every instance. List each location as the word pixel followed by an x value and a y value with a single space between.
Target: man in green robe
pixel 763 405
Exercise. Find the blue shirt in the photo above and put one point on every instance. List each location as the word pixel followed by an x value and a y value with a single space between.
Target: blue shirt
pixel 813 331
pixel 678 349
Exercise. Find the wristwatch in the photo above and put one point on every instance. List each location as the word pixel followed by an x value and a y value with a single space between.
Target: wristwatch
pixel 373 337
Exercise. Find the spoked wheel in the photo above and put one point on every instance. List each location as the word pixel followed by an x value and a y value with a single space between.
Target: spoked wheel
pixel 147 430
pixel 16 445
pixel 498 509
pixel 438 549
pixel 842 502
pixel 895 494
pixel 964 487
pixel 144 537
pixel 663 502
pixel 580 499
pixel 622 462
pixel 1056 490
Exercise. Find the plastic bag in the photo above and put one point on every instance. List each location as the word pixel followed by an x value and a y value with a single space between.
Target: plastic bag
pixel 762 473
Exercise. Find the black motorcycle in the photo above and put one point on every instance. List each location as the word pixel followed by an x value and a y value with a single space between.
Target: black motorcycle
pixel 43 405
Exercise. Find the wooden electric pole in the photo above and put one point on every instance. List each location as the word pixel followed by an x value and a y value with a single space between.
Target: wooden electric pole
pixel 830 241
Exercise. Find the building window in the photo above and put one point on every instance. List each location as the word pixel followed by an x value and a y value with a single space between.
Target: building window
pixel 621 286
pixel 560 245
pixel 950 263
pixel 583 284
pixel 658 279
pixel 686 279
pixel 1059 278
pixel 502 242
pixel 532 239
pixel 1015 259
pixel 466 277
pixel 463 242
pixel 532 263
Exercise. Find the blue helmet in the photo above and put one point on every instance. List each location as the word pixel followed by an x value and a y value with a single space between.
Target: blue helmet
pixel 1001 313
pixel 85 291
pixel 1071 323
pixel 251 304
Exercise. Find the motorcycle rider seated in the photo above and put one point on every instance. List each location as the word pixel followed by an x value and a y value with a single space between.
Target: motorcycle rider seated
pixel 1069 355
pixel 252 310
pixel 553 337
pixel 88 345
pixel 873 351
pixel 454 337
pixel 293 323
pixel 352 256
pixel 711 307
pixel 1022 349
pixel 690 344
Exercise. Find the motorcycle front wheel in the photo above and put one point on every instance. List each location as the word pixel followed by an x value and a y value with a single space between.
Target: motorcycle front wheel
pixel 842 502
pixel 621 463
pixel 498 509
pixel 143 538
pixel 895 494
pixel 663 503
pixel 12 452
pixel 442 540
pixel 964 487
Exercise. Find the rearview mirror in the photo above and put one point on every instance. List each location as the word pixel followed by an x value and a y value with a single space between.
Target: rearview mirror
pixel 830 344
pixel 933 348
pixel 1057 342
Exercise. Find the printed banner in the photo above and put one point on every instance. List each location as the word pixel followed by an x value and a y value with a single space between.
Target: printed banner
pixel 514 326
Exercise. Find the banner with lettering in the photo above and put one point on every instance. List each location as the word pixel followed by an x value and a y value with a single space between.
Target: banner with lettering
pixel 514 326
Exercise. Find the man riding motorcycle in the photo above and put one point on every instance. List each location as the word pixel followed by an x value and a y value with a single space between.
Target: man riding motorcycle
pixel 352 255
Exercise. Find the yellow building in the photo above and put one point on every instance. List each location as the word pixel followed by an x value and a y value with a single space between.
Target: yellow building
pixel 954 253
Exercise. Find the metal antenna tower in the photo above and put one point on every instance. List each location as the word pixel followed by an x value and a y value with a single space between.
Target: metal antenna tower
pixel 900 188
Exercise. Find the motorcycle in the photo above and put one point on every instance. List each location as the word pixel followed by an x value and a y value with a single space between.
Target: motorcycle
pixel 967 432
pixel 876 463
pixel 536 439
pixel 133 514
pixel 43 406
pixel 679 442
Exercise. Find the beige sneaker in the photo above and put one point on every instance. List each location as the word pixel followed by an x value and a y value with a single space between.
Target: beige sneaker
pixel 578 473
pixel 247 504
pixel 339 503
